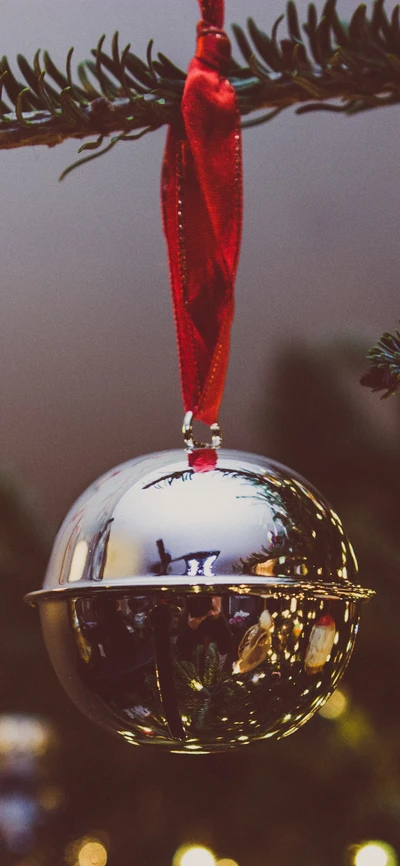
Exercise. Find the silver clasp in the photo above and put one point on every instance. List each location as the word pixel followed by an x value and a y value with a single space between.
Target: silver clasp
pixel 190 442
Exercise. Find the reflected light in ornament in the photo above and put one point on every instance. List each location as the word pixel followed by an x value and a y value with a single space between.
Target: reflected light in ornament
pixel 193 855
pixel 78 561
pixel 92 853
pixel 335 706
pixel 375 854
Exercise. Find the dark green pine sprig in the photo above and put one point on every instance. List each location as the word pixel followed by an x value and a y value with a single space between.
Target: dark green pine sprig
pixel 323 64
pixel 384 373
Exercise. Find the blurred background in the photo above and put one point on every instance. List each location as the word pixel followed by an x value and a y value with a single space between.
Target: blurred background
pixel 89 378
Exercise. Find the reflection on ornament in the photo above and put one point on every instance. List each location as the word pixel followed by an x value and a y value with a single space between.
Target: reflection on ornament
pixel 78 561
pixel 254 646
pixel 297 629
pixel 171 642
pixel 83 645
pixel 320 645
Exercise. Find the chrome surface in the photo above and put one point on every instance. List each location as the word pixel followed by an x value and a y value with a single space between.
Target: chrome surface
pixel 196 673
pixel 190 442
pixel 200 610
pixel 247 525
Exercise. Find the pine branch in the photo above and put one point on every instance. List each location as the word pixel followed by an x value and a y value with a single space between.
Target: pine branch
pixel 384 373
pixel 335 67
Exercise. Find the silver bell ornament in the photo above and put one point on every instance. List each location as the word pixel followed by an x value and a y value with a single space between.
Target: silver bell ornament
pixel 205 599
pixel 200 601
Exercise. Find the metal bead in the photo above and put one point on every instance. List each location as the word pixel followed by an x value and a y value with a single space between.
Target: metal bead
pixel 179 606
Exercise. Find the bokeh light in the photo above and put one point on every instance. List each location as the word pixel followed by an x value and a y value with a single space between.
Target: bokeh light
pixel 23 733
pixel 92 853
pixel 87 851
pixel 227 862
pixel 335 706
pixel 51 797
pixel 375 854
pixel 193 855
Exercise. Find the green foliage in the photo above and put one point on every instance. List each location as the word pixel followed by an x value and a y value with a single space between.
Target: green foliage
pixel 384 373
pixel 335 66
pixel 118 93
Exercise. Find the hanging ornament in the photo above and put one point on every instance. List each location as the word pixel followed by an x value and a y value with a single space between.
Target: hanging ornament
pixel 183 602
pixel 160 620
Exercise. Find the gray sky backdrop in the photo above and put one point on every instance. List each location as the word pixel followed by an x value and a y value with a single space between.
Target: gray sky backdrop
pixel 88 364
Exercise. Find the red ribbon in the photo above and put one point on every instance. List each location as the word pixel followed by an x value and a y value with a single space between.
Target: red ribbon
pixel 202 215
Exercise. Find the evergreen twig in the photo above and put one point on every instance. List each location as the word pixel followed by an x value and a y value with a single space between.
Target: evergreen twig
pixel 384 373
pixel 324 65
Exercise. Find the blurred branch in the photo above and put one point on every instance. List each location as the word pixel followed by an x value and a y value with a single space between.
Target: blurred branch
pixel 357 63
pixel 25 536
pixel 384 373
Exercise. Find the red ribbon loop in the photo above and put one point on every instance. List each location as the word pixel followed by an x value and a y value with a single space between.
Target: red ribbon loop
pixel 202 213
pixel 213 11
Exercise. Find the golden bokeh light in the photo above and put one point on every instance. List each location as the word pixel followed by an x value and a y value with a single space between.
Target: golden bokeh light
pixel 227 862
pixel 51 797
pixel 92 853
pixel 335 706
pixel 375 853
pixel 193 855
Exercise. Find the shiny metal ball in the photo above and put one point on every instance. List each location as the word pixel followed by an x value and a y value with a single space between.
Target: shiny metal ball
pixel 200 607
